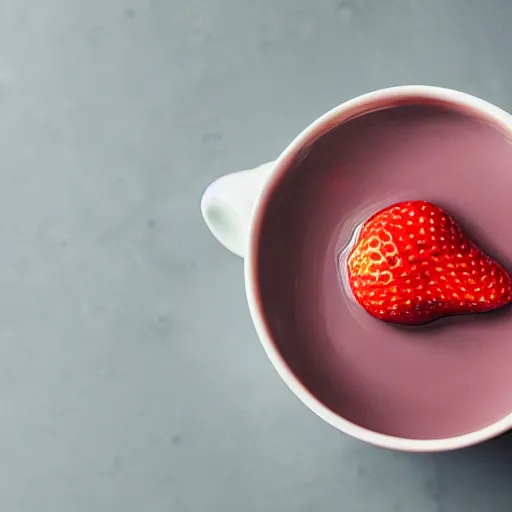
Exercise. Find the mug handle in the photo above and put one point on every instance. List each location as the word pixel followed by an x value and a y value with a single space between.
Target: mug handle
pixel 228 203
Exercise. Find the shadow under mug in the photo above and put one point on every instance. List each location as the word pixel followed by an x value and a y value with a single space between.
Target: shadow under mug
pixel 234 207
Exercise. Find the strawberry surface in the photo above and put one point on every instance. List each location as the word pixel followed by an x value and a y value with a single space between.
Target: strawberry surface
pixel 411 264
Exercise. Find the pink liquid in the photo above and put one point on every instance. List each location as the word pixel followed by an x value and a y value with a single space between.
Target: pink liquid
pixel 449 378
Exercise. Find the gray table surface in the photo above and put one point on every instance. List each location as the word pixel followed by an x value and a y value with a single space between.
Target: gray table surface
pixel 131 378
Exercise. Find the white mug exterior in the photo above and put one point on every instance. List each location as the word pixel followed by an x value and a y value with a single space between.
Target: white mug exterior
pixel 227 205
pixel 232 208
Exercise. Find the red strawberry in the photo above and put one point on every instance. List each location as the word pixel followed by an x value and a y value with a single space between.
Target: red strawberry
pixel 412 264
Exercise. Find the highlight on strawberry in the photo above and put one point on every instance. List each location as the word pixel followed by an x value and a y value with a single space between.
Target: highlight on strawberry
pixel 411 264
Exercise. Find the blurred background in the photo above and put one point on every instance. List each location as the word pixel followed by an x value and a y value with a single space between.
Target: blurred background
pixel 130 374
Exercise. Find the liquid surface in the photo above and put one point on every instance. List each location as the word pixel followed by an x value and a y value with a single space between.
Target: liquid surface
pixel 445 379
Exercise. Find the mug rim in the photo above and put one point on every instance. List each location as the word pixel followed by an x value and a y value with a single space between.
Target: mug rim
pixel 297 149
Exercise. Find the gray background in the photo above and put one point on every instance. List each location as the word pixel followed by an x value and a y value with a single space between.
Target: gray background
pixel 130 376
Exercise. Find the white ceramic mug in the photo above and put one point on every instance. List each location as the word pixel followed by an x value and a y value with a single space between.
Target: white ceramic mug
pixel 232 206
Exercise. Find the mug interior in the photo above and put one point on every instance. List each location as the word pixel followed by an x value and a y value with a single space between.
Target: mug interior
pixel 442 381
